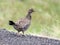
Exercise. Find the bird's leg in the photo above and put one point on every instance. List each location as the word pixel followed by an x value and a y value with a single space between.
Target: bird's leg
pixel 18 33
pixel 23 33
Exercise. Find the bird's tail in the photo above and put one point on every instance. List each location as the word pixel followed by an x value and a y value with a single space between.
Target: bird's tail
pixel 11 23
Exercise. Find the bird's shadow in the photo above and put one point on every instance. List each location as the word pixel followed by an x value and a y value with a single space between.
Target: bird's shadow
pixel 15 34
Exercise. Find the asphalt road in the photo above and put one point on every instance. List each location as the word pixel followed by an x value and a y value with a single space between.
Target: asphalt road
pixel 10 38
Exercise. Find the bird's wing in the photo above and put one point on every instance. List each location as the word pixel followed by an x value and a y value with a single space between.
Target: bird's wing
pixel 23 22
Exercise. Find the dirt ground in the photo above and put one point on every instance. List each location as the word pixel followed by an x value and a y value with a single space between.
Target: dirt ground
pixel 10 38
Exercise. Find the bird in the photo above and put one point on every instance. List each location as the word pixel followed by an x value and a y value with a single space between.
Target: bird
pixel 22 24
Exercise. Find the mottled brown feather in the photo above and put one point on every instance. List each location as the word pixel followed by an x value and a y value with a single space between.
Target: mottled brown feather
pixel 23 23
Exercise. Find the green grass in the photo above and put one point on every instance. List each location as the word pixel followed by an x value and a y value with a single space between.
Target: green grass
pixel 45 19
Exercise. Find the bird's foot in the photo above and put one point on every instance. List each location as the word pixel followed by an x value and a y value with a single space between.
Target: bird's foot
pixel 23 35
pixel 17 34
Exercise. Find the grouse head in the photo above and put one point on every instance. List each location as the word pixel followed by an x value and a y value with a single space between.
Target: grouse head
pixel 31 10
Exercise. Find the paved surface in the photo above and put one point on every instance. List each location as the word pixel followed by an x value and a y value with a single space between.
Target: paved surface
pixel 10 38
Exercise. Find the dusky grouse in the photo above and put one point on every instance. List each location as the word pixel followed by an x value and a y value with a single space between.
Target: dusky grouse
pixel 23 23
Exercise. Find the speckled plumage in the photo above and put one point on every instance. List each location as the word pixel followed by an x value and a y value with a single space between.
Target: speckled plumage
pixel 23 23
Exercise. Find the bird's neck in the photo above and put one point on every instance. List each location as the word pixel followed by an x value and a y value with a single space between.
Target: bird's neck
pixel 28 16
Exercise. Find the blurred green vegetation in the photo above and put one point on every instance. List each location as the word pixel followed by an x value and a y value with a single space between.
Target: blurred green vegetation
pixel 45 19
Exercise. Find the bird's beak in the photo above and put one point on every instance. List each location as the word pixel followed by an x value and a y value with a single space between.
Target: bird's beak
pixel 33 11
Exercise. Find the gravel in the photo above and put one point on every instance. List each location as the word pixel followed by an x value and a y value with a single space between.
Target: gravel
pixel 10 38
